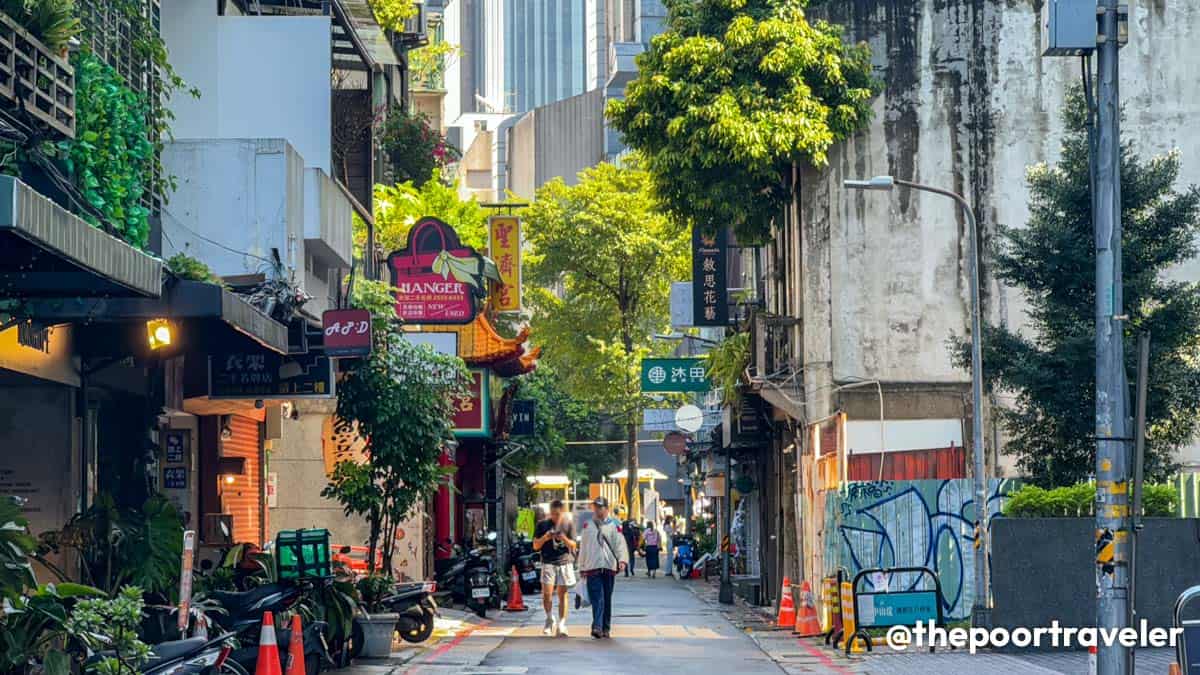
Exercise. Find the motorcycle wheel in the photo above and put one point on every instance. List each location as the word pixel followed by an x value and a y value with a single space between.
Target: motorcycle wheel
pixel 231 667
pixel 312 664
pixel 356 641
pixel 480 610
pixel 414 631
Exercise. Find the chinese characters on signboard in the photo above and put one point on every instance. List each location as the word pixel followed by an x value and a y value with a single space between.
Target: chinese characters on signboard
pixel 505 246
pixel 270 375
pixel 347 332
pixel 438 280
pixel 674 375
pixel 471 414
pixel 709 290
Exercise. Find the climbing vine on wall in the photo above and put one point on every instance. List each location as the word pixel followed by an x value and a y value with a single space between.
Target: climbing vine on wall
pixel 112 156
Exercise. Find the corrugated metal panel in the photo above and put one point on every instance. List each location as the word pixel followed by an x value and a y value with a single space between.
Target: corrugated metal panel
pixel 243 497
pixel 938 463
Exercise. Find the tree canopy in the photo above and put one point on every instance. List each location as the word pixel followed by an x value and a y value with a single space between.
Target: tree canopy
pixel 730 96
pixel 399 207
pixel 598 279
pixel 1052 261
pixel 560 418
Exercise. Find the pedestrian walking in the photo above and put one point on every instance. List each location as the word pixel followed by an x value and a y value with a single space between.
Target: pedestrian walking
pixel 554 538
pixel 651 541
pixel 633 541
pixel 602 553
pixel 669 533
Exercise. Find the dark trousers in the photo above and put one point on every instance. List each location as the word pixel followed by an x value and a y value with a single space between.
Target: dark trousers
pixel 600 590
pixel 632 559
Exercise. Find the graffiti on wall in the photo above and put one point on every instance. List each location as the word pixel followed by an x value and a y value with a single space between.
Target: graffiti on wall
pixel 919 523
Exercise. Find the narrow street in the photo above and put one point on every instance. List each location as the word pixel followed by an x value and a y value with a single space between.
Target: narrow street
pixel 659 625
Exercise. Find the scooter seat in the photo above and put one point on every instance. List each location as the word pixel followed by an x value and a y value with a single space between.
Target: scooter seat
pixel 172 650
pixel 239 603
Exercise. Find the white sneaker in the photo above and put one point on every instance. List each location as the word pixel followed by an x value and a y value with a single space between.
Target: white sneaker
pixel 562 630
pixel 549 627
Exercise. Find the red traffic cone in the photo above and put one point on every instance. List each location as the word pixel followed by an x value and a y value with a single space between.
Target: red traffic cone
pixel 807 624
pixel 295 658
pixel 787 608
pixel 267 662
pixel 516 603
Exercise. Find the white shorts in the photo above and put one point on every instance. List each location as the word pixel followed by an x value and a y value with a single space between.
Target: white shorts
pixel 558 575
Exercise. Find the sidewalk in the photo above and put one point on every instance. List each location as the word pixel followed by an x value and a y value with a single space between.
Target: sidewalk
pixel 451 624
pixel 811 655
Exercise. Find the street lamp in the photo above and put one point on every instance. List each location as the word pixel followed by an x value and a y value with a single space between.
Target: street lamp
pixel 888 183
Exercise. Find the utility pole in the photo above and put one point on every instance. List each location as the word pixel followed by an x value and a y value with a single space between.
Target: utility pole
pixel 1112 434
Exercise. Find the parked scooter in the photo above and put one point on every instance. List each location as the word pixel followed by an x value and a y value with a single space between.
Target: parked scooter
pixel 527 562
pixel 471 578
pixel 417 609
pixel 243 617
pixel 194 655
pixel 685 552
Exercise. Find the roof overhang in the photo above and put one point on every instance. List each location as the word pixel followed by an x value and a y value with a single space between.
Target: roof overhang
pixel 47 251
pixel 196 302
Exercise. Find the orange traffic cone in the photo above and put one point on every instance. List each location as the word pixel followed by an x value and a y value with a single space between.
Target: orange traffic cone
pixel 295 659
pixel 787 608
pixel 807 624
pixel 267 662
pixel 516 603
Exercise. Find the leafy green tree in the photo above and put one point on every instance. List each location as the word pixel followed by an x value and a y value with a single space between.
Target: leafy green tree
pixel 734 93
pixel 603 256
pixel 399 207
pixel 560 418
pixel 1051 368
pixel 400 400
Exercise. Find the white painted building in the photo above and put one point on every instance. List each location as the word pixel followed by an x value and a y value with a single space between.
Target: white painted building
pixel 253 153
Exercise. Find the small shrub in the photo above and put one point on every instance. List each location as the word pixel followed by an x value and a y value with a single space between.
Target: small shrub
pixel 1073 501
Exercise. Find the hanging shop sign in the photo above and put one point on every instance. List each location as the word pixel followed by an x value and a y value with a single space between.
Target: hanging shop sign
pixel 523 411
pixel 663 375
pixel 504 245
pixel 471 409
pixel 268 375
pixel 710 294
pixel 438 280
pixel 347 332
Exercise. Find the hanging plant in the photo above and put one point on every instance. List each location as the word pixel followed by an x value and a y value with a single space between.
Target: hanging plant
pixel 53 22
pixel 112 159
pixel 726 363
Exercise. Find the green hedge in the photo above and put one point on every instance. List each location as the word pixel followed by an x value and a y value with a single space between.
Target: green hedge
pixel 1031 501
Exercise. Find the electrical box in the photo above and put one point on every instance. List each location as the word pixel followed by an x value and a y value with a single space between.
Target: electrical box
pixel 1068 27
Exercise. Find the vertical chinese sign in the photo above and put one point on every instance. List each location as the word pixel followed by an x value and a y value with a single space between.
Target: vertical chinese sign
pixel 471 408
pixel 709 290
pixel 504 242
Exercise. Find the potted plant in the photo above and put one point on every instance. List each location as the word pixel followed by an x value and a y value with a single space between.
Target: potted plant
pixel 375 627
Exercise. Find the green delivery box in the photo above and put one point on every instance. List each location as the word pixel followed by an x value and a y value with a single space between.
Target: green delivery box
pixel 302 554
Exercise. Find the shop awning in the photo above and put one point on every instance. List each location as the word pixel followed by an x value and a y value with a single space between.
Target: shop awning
pixel 181 301
pixel 47 251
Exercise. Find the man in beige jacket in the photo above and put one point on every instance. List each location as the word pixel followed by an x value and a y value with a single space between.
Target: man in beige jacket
pixel 602 554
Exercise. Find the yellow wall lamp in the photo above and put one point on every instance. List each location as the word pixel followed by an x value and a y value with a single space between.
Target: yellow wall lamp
pixel 160 333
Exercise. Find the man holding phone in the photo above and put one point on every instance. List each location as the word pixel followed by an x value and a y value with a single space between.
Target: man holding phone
pixel 554 538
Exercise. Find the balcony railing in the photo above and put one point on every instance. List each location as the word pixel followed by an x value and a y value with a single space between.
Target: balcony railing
pixel 36 80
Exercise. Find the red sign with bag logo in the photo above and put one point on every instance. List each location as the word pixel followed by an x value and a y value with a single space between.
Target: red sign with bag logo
pixel 347 332
pixel 438 279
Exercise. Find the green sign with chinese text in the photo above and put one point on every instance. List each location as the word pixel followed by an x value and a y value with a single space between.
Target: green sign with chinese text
pixel 674 375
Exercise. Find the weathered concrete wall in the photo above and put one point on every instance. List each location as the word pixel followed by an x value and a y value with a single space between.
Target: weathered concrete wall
pixel 968 104
pixel 1042 569
pixel 299 460
pixel 556 141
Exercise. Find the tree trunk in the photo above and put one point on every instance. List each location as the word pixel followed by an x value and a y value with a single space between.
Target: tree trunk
pixel 631 465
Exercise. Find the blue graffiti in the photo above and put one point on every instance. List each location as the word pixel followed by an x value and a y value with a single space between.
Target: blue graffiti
pixel 924 523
